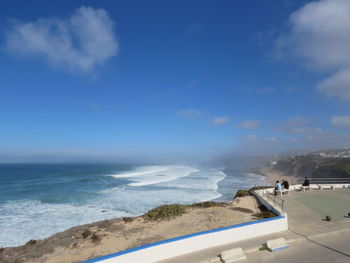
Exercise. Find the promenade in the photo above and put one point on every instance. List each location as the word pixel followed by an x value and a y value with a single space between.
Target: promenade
pixel 309 235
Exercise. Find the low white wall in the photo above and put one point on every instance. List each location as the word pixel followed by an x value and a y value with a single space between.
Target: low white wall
pixel 186 244
pixel 298 187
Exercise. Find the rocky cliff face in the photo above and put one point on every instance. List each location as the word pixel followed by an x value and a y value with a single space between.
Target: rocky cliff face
pixel 314 167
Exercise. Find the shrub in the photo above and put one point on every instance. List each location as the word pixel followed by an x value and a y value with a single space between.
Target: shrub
pixel 165 212
pixel 264 213
pixel 86 233
pixel 127 219
pixel 241 193
pixel 262 248
pixel 31 242
pixel 209 204
pixel 95 238
pixel 258 188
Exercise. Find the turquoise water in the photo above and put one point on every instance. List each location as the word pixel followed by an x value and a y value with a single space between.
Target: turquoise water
pixel 38 200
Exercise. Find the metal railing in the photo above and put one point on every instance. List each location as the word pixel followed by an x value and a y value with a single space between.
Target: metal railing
pixel 275 199
pixel 326 180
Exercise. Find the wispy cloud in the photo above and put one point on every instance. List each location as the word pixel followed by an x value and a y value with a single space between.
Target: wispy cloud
pixel 80 42
pixel 254 145
pixel 250 138
pixel 266 90
pixel 94 107
pixel 341 121
pixel 297 125
pixel 291 89
pixel 220 121
pixel 249 124
pixel 320 35
pixel 189 113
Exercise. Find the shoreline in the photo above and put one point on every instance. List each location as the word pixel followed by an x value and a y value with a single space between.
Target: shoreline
pixel 219 193
pixel 108 200
pixel 110 236
pixel 272 176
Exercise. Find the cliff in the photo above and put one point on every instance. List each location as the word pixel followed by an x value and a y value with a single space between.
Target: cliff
pixel 314 166
pixel 110 236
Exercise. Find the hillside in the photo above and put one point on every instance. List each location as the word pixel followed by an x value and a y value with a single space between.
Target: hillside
pixel 314 166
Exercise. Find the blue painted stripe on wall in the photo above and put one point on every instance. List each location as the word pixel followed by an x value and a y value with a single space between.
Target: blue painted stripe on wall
pixel 179 238
pixel 280 248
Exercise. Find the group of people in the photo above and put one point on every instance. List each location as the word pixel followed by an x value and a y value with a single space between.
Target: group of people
pixel 280 186
pixel 285 185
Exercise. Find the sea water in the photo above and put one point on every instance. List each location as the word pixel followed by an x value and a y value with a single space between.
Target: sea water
pixel 38 200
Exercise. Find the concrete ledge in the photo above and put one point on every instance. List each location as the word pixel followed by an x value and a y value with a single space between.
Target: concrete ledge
pixel 321 187
pixel 277 244
pixel 232 255
pixel 214 260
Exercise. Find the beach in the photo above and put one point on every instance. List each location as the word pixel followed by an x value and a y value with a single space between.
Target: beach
pixel 272 176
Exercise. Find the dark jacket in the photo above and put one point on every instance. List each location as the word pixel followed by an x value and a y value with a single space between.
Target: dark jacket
pixel 306 182
pixel 285 185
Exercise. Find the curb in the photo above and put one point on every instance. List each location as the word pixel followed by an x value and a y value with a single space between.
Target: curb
pixel 293 240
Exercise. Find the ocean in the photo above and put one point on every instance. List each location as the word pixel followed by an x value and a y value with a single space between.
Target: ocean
pixel 38 200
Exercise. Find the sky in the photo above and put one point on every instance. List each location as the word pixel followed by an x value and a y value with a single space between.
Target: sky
pixel 172 80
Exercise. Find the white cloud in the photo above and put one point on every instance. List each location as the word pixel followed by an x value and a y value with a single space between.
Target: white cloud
pixel 220 121
pixel 250 138
pixel 341 121
pixel 271 139
pixel 80 42
pixel 337 85
pixel 320 34
pixel 297 125
pixel 249 124
pixel 189 113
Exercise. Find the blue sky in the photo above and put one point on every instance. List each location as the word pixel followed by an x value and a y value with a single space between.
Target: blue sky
pixel 172 79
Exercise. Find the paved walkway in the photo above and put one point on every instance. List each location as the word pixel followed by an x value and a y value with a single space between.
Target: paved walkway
pixel 304 224
pixel 333 248
pixel 304 210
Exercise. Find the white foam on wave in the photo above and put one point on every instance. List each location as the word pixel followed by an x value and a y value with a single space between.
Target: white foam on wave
pixel 141 171
pixel 149 175
pixel 31 219
pixel 142 201
pixel 203 179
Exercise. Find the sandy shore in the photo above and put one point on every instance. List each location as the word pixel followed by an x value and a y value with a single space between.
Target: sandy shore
pixel 272 176
pixel 110 236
